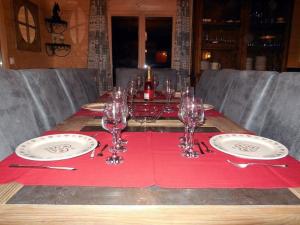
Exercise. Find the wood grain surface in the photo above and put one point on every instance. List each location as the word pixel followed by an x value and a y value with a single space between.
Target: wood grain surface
pixel 148 215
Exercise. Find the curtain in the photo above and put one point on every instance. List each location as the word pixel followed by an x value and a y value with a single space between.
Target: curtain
pixel 182 57
pixel 98 54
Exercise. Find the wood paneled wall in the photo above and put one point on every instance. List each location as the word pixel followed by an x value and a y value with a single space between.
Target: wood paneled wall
pixel 75 12
pixel 293 60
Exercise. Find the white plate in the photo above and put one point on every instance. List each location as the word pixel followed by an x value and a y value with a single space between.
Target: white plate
pixel 249 146
pixel 208 107
pixel 96 107
pixel 56 147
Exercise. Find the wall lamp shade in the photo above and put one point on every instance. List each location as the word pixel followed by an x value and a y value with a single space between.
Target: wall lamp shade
pixel 54 25
pixel 58 49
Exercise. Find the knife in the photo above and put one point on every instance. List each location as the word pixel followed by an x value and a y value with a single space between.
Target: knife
pixel 199 146
pixel 42 167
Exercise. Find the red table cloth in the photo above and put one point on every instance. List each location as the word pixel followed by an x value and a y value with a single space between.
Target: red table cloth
pixel 154 158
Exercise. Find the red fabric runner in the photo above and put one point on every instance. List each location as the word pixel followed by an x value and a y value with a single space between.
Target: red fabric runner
pixel 155 159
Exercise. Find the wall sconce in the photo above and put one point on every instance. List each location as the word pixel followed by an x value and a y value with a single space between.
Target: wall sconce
pixel 58 49
pixel 55 24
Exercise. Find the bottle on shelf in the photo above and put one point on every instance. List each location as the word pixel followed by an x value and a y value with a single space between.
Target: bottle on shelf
pixel 149 86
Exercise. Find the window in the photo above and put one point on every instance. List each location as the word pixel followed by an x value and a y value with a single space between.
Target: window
pixel 125 41
pixel 141 40
pixel 27 25
pixel 158 41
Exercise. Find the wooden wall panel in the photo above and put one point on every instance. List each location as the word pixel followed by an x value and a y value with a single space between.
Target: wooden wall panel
pixel 75 12
pixel 293 60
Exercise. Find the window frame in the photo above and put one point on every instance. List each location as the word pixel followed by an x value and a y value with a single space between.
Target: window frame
pixel 21 43
pixel 142 32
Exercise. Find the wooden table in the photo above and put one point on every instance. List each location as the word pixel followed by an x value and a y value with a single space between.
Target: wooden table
pixel 93 205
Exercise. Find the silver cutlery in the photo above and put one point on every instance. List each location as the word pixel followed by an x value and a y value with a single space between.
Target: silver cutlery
pixel 92 155
pixel 199 146
pixel 42 167
pixel 102 150
pixel 207 149
pixel 245 165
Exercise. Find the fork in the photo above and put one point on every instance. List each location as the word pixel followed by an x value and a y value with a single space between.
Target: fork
pixel 245 165
pixel 92 155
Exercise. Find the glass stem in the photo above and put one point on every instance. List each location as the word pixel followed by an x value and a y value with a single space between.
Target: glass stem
pixel 191 138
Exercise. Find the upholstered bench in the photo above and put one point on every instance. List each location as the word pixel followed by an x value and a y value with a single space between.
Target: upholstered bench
pixel 35 100
pixel 262 101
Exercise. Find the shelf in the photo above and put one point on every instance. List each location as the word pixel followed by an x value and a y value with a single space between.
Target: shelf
pixel 279 27
pixel 224 25
pixel 208 46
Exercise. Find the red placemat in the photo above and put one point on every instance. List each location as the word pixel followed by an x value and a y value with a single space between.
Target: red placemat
pixel 212 171
pixel 136 171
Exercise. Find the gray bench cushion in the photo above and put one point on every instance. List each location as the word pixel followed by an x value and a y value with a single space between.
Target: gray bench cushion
pixel 282 121
pixel 247 97
pixel 48 95
pixel 219 87
pixel 18 114
pixel 124 75
pixel 205 83
pixel 76 88
pixel 88 81
pixel 163 74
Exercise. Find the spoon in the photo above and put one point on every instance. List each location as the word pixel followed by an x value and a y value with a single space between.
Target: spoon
pixel 245 165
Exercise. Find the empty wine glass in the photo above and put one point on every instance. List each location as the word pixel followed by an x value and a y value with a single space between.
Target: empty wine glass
pixel 118 94
pixel 114 120
pixel 131 92
pixel 192 114
pixel 139 82
pixel 169 92
pixel 187 92
pixel 155 83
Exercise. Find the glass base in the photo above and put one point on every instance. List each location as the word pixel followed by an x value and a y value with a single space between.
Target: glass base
pixel 114 160
pixel 190 154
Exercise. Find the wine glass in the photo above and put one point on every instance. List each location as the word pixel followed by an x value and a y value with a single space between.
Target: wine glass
pixel 192 114
pixel 131 92
pixel 114 120
pixel 119 94
pixel 155 84
pixel 139 82
pixel 187 92
pixel 169 92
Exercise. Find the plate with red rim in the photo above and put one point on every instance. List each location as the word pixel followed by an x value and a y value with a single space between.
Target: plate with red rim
pixel 95 107
pixel 249 146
